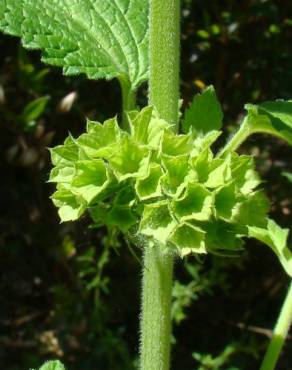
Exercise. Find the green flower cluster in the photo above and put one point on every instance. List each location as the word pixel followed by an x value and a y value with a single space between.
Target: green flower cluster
pixel 167 189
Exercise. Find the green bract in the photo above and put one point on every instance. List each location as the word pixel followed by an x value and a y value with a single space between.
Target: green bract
pixel 163 188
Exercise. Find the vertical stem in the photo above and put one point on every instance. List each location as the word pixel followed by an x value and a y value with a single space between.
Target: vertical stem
pixel 156 308
pixel 164 58
pixel 128 102
pixel 280 334
pixel 158 267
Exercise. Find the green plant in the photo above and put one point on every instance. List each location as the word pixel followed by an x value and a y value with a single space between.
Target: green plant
pixel 166 191
pixel 52 365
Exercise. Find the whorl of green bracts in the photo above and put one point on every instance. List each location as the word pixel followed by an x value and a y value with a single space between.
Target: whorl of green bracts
pixel 161 187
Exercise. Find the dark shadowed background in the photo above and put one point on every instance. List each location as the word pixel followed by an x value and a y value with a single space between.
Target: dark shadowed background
pixel 65 292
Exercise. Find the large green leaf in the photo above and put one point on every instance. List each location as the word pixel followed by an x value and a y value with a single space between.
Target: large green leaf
pixel 204 114
pixel 101 38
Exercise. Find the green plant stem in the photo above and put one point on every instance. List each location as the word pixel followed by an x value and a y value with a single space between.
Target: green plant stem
pixel 164 58
pixel 237 139
pixel 158 267
pixel 279 334
pixel 156 309
pixel 128 102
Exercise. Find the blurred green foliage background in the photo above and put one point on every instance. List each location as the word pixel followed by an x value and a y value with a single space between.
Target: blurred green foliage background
pixel 71 292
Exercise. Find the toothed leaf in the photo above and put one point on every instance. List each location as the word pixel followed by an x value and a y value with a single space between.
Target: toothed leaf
pixel 157 222
pixel 194 204
pixel 225 201
pixel 177 168
pixel 149 186
pixel 70 207
pixel 129 159
pixel 100 140
pixel 188 239
pixel 90 180
pixel 101 38
pixel 253 211
pixel 204 114
pixel 175 145
pixel 222 238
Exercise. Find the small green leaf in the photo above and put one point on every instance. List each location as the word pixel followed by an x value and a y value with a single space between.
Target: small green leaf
pixel 34 109
pixel 101 140
pixel 91 179
pixel 253 211
pixel 52 365
pixel 201 164
pixel 204 114
pixel 177 168
pixel 156 129
pixel 175 145
pixel 222 238
pixel 188 239
pixel 225 201
pixel 101 38
pixel 65 154
pixel 194 204
pixel 70 207
pixel 157 222
pixel 271 117
pixel 129 159
pixel 62 174
pixel 219 173
pixel 276 238
pixel 140 125
pixel 244 174
pixel 149 186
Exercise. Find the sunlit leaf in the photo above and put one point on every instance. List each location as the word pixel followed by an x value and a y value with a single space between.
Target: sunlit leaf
pixel 188 239
pixel 52 365
pixel 204 114
pixel 157 222
pixel 101 38
pixel 194 204
pixel 271 117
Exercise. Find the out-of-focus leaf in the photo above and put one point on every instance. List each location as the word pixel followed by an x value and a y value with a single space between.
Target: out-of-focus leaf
pixel 34 109
pixel 288 176
pixel 52 365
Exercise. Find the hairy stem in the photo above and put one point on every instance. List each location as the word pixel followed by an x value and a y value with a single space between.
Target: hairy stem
pixel 237 139
pixel 128 102
pixel 279 334
pixel 158 267
pixel 156 307
pixel 164 58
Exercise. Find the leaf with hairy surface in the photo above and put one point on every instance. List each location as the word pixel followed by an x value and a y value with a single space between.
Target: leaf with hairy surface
pixel 101 38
